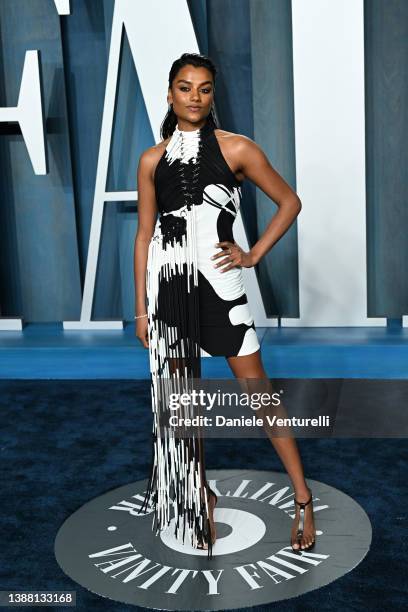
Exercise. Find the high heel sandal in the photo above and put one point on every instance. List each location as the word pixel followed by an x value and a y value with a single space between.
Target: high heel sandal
pixel 204 545
pixel 299 533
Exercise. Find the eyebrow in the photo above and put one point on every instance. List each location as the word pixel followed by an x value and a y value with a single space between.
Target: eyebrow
pixel 185 81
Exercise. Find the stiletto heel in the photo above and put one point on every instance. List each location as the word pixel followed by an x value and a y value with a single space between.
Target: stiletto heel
pixel 299 533
pixel 204 545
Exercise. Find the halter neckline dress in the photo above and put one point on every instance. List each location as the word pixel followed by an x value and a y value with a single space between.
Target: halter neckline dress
pixel 194 310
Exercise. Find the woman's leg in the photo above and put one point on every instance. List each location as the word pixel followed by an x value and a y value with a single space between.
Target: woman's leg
pixel 250 366
pixel 178 366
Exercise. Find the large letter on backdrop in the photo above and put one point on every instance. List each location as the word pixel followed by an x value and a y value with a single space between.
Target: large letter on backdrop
pixel 147 25
pixel 29 115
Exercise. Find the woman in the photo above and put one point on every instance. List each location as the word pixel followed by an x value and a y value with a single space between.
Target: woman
pixel 190 298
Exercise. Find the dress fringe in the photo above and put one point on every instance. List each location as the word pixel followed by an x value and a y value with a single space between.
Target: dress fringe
pixel 177 486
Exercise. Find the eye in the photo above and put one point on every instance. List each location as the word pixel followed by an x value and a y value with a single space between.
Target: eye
pixel 185 88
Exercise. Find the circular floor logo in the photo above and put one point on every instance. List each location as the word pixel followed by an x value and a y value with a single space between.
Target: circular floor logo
pixel 110 549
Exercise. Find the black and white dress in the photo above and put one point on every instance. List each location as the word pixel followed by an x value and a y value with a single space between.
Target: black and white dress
pixel 194 310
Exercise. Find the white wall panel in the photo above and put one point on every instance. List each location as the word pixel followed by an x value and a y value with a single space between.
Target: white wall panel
pixel 328 58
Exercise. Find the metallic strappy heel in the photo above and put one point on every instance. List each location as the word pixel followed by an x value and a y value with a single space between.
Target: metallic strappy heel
pixel 299 533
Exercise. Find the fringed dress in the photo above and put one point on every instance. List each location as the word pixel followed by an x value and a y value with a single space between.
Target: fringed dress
pixel 194 310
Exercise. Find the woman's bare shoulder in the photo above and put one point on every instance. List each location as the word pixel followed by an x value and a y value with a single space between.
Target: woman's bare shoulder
pixel 156 151
pixel 150 157
pixel 236 148
pixel 233 139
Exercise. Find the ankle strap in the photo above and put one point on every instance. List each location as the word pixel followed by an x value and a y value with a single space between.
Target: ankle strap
pixel 303 504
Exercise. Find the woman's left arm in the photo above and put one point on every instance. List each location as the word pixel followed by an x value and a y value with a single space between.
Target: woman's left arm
pixel 257 168
pixel 254 165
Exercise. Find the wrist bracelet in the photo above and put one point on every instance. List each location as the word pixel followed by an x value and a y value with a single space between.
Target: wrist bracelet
pixel 139 316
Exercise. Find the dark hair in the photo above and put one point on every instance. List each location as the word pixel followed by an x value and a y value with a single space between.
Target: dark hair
pixel 186 59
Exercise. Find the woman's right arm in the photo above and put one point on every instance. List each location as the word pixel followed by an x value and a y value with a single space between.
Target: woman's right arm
pixel 147 213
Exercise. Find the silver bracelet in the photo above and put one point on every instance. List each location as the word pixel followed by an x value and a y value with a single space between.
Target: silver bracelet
pixel 139 316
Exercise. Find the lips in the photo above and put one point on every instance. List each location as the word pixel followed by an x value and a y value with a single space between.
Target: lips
pixel 194 108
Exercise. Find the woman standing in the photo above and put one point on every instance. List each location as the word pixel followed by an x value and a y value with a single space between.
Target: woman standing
pixel 190 297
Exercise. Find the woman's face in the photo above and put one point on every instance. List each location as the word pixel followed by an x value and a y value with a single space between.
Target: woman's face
pixel 192 93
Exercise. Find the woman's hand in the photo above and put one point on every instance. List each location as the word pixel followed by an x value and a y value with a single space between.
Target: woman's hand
pixel 142 331
pixel 233 256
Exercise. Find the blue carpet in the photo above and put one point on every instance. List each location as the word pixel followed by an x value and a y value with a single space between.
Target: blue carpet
pixel 65 442
pixel 47 351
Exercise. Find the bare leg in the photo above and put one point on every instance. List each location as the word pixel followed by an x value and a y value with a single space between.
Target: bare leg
pixel 250 366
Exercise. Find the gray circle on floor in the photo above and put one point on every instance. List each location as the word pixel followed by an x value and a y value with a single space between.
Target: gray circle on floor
pixel 110 549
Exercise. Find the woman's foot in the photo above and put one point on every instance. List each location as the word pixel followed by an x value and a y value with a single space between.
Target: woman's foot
pixel 307 539
pixel 212 500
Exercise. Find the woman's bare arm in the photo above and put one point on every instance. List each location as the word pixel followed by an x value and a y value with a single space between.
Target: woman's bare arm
pixel 256 167
pixel 147 214
pixel 249 161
